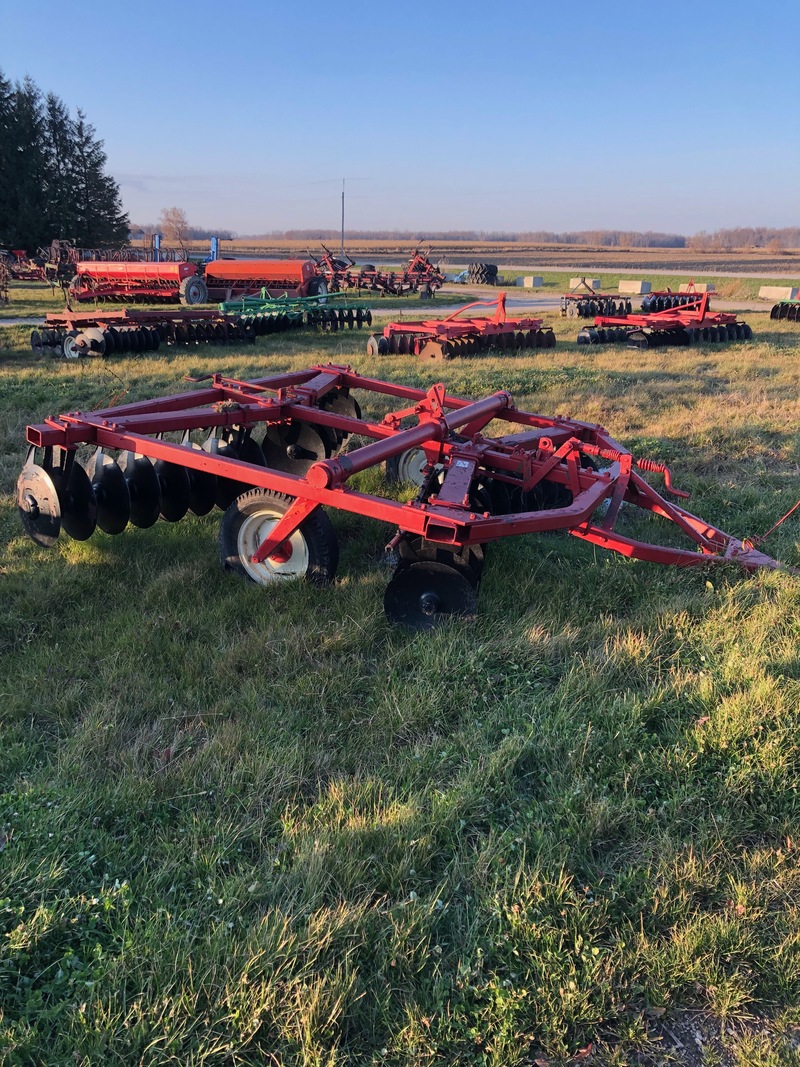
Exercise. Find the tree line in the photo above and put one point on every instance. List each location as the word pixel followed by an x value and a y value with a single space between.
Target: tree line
pixel 53 180
pixel 720 240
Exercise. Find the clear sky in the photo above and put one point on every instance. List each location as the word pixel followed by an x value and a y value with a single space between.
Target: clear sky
pixel 447 114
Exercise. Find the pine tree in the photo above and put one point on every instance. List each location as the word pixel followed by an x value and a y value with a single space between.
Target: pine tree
pixel 6 158
pixel 60 165
pixel 53 181
pixel 100 218
pixel 27 222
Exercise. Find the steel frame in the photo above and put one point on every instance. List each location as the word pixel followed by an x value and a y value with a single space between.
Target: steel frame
pixel 555 450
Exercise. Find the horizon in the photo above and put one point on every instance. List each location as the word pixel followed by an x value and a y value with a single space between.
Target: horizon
pixel 442 121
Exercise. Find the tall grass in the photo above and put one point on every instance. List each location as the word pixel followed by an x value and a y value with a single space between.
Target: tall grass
pixel 249 826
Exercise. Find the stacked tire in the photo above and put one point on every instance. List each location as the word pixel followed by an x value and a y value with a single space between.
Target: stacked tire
pixel 482 273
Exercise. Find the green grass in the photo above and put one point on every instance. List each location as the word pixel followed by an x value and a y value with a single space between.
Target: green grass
pixel 249 826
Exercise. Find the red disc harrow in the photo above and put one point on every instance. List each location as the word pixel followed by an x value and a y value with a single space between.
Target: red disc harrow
pixel 455 336
pixel 272 453
pixel 685 325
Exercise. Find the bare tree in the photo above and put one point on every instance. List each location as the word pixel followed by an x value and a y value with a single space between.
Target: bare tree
pixel 174 225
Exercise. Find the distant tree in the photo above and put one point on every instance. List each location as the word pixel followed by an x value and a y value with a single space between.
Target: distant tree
pixel 26 224
pixel 100 218
pixel 174 225
pixel 53 180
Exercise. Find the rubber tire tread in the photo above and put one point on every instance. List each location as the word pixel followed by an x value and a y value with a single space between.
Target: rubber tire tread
pixel 317 530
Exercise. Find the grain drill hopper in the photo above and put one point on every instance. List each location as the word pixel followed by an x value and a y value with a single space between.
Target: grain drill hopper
pixel 455 336
pixel 174 283
pixel 677 326
pixel 271 453
pixel 229 279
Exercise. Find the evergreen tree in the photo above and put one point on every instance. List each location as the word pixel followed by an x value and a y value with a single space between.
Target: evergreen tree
pixel 61 165
pixel 6 159
pixel 95 195
pixel 27 221
pixel 53 181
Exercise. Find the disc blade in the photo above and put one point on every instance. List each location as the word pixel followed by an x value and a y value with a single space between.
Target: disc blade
pixel 203 488
pixel 39 506
pixel 111 493
pixel 227 488
pixel 78 505
pixel 293 447
pixel 175 490
pixel 422 596
pixel 144 489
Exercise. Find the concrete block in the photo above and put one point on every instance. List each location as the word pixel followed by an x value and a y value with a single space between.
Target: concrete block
pixel 637 288
pixel 777 292
pixel 531 281
pixel 698 287
pixel 594 283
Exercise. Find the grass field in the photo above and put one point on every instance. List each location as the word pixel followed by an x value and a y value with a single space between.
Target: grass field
pixel 245 826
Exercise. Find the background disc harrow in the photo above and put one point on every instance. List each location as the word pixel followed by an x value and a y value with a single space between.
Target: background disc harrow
pixel 786 309
pixel 74 336
pixel 666 301
pixel 588 307
pixel 453 336
pixel 647 337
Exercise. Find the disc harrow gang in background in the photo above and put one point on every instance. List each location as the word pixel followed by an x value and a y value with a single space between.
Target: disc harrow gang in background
pixel 453 336
pixel 685 325
pixel 786 309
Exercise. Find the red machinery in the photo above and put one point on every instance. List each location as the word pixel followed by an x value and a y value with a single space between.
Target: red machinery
pixel 227 279
pixel 269 452
pixel 584 302
pixel 74 334
pixel 676 326
pixel 454 336
pixel 23 268
pixel 107 280
pixel 418 275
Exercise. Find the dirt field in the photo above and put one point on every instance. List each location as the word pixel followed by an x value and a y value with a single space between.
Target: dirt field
pixel 759 261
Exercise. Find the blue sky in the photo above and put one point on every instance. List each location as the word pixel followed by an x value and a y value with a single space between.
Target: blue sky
pixel 463 115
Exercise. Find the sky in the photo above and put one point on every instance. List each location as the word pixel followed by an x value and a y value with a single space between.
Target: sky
pixel 442 115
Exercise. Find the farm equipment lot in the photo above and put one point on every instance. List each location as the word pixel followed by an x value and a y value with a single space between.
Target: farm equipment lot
pixel 323 839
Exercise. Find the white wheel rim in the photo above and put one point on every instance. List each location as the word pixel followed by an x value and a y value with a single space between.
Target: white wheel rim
pixel 411 466
pixel 253 532
pixel 71 349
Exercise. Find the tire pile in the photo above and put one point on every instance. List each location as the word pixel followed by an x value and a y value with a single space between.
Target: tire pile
pixel 482 273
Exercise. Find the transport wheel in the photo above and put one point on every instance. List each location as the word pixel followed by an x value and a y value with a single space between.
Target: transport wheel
pixel 69 346
pixel 422 596
pixel 193 291
pixel 311 552
pixel 318 287
pixel 408 467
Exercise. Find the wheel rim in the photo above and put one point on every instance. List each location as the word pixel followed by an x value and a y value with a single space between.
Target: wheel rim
pixel 411 466
pixel 290 559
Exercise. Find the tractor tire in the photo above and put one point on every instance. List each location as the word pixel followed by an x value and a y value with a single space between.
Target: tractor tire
pixel 193 291
pixel 318 287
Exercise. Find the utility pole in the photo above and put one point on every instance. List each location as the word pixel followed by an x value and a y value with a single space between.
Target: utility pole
pixel 342 218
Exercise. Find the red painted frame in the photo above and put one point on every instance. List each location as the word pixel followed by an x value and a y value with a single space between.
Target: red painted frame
pixel 449 429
